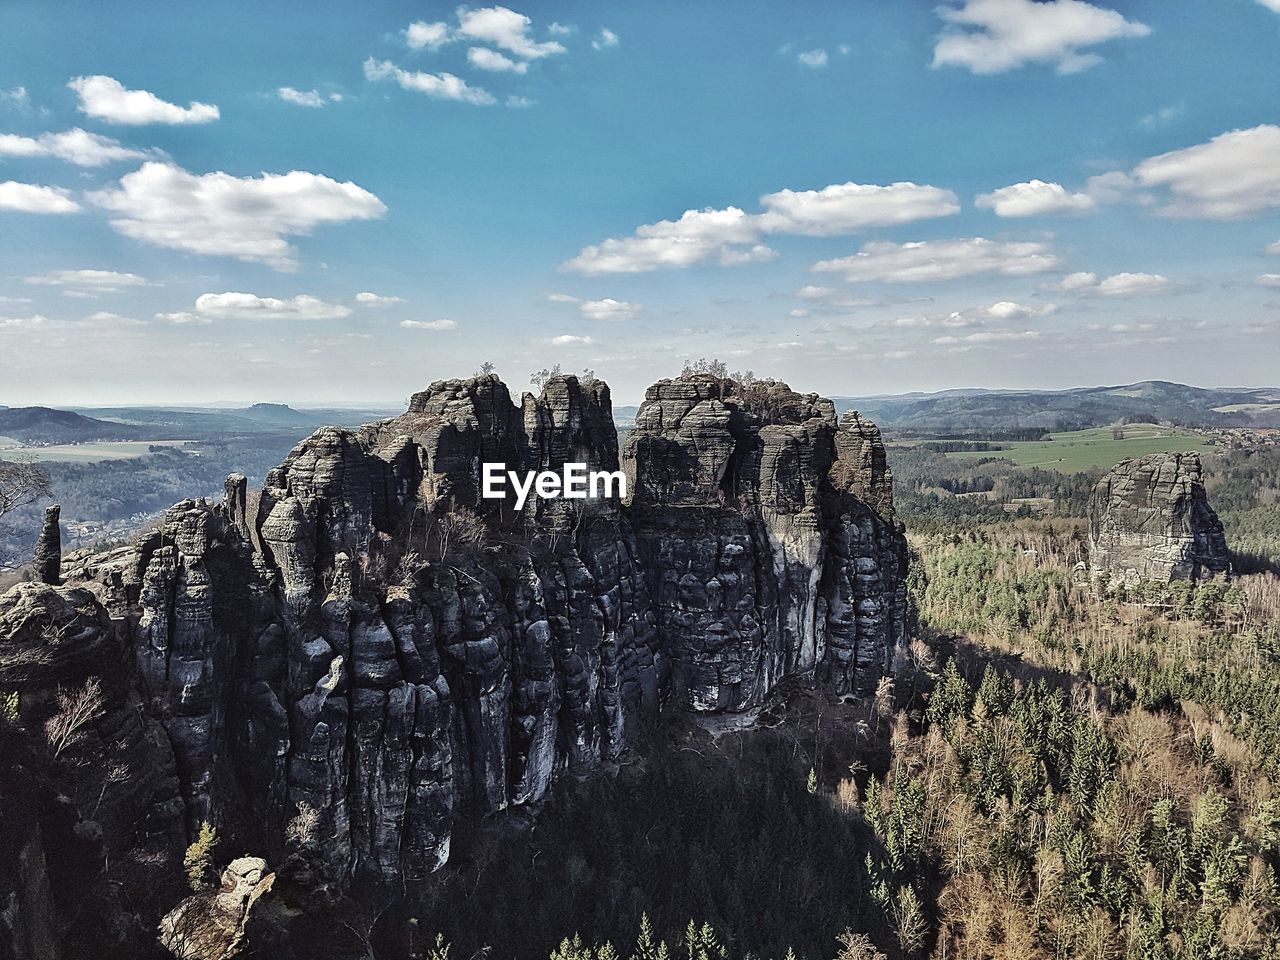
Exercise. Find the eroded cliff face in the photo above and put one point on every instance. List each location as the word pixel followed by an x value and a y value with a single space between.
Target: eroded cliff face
pixel 1149 519
pixel 376 646
pixel 769 534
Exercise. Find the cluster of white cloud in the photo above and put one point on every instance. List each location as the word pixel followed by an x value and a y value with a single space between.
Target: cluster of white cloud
pixel 368 299
pixel 307 98
pixel 732 236
pixel 248 306
pixel 234 305
pixel 218 214
pixel 604 309
pixel 812 58
pixel 934 260
pixel 88 282
pixel 509 46
pixel 75 146
pixel 1000 312
pixel 1118 285
pixel 1034 198
pixel 995 36
pixel 33 198
pixel 438 86
pixel 105 98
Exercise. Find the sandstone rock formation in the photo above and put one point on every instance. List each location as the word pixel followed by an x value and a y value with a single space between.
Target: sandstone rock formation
pixel 1149 519
pixel 47 558
pixel 214 925
pixel 382 650
pixel 769 530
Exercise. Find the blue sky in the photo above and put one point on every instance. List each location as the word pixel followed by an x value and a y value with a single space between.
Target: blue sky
pixel 857 197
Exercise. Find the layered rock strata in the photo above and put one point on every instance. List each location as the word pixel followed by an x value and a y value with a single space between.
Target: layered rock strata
pixel 376 649
pixel 47 557
pixel 1149 519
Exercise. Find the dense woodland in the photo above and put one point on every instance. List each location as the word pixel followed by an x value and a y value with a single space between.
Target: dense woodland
pixel 1052 771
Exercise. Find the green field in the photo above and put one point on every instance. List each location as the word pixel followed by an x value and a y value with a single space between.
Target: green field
pixel 86 452
pixel 1086 449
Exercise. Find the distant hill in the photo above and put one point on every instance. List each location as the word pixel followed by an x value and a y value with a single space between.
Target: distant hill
pixel 1155 400
pixel 278 413
pixel 206 422
pixel 45 425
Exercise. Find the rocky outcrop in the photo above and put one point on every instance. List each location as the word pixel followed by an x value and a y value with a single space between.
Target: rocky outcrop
pixel 215 925
pixel 377 649
pixel 769 532
pixel 1149 519
pixel 47 558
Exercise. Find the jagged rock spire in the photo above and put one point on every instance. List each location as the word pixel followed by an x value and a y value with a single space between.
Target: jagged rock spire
pixel 48 553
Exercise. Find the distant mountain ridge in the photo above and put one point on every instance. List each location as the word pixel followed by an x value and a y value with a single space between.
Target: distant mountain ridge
pixel 46 425
pixel 1078 408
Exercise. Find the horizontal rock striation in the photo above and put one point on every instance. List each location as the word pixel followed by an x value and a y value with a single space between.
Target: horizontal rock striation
pixel 372 649
pixel 768 530
pixel 1149 519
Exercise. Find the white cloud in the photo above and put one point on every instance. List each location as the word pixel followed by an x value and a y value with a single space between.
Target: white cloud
pixel 506 29
pixel 217 214
pixel 988 336
pixel 1135 285
pixel 183 318
pixel 846 207
pixel 367 299
pixel 995 36
pixel 307 98
pixel 96 281
pixel 1273 247
pixel 1268 280
pixel 561 298
pixel 605 39
pixel 1008 310
pixel 248 306
pixel 519 103
pixel 609 309
pixel 731 236
pixel 428 325
pixel 812 292
pixel 1002 311
pixel 105 98
pixel 1033 198
pixel 569 339
pixel 1271 4
pixel 697 236
pixel 1236 174
pixel 438 86
pixel 32 321
pixel 32 198
pixel 813 58
pixel 561 29
pixel 429 35
pixel 934 260
pixel 485 59
pixel 76 146
pixel 17 96
pixel 1117 285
